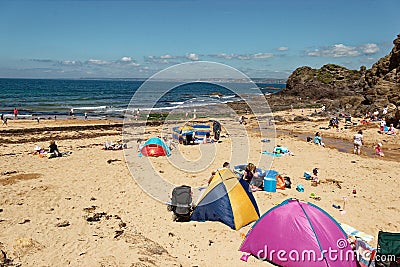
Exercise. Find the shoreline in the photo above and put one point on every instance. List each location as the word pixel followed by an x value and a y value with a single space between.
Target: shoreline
pixel 291 128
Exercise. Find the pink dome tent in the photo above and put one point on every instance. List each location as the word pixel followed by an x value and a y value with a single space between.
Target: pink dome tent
pixel 298 234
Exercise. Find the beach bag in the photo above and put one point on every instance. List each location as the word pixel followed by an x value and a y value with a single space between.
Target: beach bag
pixel 181 200
pixel 280 182
pixel 288 183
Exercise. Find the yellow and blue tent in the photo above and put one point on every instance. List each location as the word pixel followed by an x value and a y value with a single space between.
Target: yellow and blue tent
pixel 227 199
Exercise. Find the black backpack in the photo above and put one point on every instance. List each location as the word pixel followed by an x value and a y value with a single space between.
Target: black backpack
pixel 181 200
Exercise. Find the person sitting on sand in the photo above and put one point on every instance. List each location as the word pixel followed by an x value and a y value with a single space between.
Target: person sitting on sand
pixel 334 122
pixel 207 139
pixel 358 142
pixel 315 179
pixel 249 172
pixel 169 142
pixel 318 139
pixel 242 120
pixel 257 182
pixel 378 150
pixel 226 165
pixel 53 149
pixel 391 130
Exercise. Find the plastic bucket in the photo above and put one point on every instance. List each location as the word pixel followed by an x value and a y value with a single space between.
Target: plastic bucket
pixel 269 184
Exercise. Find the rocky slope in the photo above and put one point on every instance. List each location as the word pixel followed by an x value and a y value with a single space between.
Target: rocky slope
pixel 352 91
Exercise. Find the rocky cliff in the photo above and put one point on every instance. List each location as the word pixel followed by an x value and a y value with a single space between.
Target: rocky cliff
pixel 352 91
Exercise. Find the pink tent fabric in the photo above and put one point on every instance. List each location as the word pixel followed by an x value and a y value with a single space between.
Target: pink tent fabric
pixel 298 234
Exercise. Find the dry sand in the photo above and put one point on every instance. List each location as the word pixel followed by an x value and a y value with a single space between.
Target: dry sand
pixel 81 210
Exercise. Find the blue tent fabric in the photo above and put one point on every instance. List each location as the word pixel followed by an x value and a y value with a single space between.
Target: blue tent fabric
pixel 206 212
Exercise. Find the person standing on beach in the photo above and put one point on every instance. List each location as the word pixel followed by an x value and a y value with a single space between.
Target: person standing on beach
pixel 71 112
pixel 358 142
pixel 382 125
pixel 4 120
pixel 216 130
pixel 16 113
pixel 85 115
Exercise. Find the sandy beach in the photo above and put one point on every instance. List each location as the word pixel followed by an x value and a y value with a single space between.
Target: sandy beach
pixel 87 209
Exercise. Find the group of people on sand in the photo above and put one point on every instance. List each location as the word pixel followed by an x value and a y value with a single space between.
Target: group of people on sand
pixel 383 129
pixel 250 175
pixel 52 151
pixel 4 119
pixel 358 143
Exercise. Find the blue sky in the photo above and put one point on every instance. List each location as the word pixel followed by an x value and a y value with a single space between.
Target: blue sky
pixel 88 38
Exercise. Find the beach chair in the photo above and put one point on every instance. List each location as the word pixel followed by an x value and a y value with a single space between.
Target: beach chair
pixel 388 250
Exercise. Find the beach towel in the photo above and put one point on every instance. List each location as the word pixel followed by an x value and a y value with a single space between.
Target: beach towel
pixel 351 231
pixel 365 253
pixel 281 150
pixel 271 154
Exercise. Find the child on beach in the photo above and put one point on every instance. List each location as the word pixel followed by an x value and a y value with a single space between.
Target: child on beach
pixel 358 142
pixel 315 180
pixel 391 130
pixel 378 150
pixel 382 125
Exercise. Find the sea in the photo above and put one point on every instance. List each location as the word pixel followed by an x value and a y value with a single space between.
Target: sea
pixel 109 98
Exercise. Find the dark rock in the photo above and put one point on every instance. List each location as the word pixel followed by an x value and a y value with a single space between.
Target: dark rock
pixel 301 118
pixel 350 91
pixel 63 224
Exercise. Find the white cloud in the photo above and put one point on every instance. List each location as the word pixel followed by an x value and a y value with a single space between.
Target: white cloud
pixel 167 56
pixel 97 62
pixel 337 50
pixel 159 60
pixel 224 55
pixel 369 48
pixel 262 55
pixel 282 48
pixel 134 64
pixel 70 63
pixel 243 56
pixel 341 50
pixel 126 59
pixel 192 56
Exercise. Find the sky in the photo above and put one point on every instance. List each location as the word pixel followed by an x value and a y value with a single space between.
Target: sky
pixel 136 39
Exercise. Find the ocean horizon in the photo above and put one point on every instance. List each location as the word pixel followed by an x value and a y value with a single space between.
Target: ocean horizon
pixel 109 98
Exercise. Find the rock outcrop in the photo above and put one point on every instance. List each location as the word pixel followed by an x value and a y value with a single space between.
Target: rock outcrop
pixel 352 91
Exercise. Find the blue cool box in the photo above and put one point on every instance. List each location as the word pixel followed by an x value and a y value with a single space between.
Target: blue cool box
pixel 270 184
